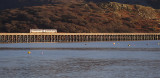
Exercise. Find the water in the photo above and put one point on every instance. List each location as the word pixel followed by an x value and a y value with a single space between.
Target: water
pixel 118 44
pixel 124 59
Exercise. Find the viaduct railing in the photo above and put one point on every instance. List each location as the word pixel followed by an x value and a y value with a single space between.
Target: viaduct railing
pixel 74 37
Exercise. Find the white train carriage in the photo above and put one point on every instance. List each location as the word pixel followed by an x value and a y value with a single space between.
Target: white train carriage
pixel 43 30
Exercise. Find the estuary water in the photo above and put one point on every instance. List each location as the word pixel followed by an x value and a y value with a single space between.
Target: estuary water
pixel 112 59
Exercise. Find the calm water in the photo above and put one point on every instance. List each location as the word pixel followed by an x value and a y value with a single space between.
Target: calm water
pixel 125 59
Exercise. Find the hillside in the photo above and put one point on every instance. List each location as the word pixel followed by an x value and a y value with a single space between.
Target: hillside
pixel 10 4
pixel 82 17
pixel 151 3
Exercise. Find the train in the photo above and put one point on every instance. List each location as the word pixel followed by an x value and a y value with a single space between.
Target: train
pixel 43 30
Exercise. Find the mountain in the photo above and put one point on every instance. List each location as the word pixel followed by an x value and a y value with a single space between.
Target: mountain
pixel 79 16
pixel 152 3
pixel 10 4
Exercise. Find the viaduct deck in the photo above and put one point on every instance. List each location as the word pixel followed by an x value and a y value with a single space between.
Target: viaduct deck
pixel 74 37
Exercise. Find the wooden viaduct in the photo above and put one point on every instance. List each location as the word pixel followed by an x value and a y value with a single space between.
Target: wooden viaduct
pixel 74 37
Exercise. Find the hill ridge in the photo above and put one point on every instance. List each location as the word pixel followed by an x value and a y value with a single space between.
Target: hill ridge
pixel 82 17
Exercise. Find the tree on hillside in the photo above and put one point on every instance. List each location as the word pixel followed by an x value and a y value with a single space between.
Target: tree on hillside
pixel 2 28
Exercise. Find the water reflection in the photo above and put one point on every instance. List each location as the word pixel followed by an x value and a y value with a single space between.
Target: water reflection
pixel 81 60
pixel 109 44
